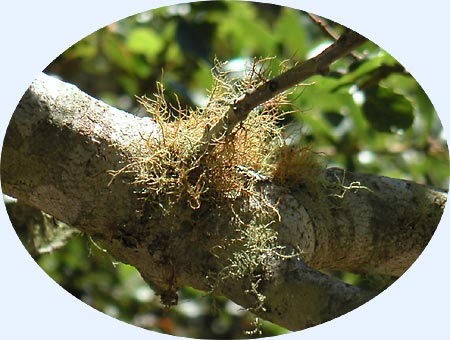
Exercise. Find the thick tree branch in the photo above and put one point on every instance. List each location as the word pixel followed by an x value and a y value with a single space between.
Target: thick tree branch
pixel 58 150
pixel 373 224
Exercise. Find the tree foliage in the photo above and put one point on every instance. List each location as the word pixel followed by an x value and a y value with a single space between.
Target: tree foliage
pixel 367 115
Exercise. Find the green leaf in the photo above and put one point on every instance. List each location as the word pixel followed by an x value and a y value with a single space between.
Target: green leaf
pixel 386 110
pixel 243 33
pixel 291 33
pixel 145 41
pixel 116 53
pixel 195 38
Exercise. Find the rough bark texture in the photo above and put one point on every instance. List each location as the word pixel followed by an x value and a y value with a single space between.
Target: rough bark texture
pixel 58 150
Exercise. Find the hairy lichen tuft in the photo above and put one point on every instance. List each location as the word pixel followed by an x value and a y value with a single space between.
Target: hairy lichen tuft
pixel 172 170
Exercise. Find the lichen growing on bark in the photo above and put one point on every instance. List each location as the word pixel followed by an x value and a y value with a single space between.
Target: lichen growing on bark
pixel 170 169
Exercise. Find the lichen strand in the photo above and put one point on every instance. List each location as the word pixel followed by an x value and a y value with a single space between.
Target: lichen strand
pixel 255 252
pixel 170 173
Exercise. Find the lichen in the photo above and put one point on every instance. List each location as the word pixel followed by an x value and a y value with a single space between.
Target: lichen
pixel 169 172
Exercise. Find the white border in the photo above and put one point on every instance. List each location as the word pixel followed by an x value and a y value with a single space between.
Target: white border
pixel 33 33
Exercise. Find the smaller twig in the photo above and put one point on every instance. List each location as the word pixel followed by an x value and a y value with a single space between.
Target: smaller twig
pixel 242 106
pixel 326 28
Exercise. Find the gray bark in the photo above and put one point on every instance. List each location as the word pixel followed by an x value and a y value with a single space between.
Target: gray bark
pixel 61 143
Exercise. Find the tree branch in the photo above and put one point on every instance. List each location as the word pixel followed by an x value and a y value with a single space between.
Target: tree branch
pixel 324 26
pixel 242 106
pixel 61 143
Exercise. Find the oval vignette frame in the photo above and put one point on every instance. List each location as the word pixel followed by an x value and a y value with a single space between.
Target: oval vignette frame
pixel 312 331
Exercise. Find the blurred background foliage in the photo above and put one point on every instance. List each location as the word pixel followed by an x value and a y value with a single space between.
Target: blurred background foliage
pixel 367 115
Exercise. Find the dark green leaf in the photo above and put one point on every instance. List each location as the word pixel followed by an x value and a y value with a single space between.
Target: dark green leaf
pixel 386 110
pixel 333 117
pixel 194 38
